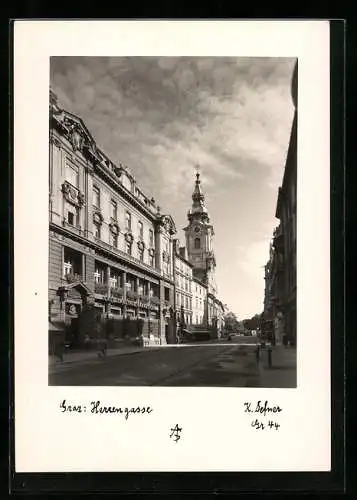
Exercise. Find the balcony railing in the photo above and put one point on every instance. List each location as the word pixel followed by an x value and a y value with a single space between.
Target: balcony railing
pixel 131 295
pixel 117 292
pixel 73 277
pixel 101 288
pixel 145 299
pixel 155 300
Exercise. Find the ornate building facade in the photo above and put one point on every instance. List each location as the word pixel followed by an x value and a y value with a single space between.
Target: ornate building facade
pixel 280 272
pixel 110 248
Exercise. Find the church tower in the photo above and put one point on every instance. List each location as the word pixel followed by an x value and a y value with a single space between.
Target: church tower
pixel 199 234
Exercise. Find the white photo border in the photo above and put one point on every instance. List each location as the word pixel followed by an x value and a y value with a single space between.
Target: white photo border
pixel 47 440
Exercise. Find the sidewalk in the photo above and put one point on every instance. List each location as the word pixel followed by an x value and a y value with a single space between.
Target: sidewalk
pixel 83 357
pixel 282 373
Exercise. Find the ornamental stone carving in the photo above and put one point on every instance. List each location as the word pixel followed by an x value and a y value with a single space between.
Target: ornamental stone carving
pixel 151 252
pixel 167 223
pixel 165 256
pixel 118 171
pixel 81 199
pixel 56 142
pixel 97 217
pixel 129 237
pixel 72 194
pixel 76 139
pixel 141 245
pixel 114 228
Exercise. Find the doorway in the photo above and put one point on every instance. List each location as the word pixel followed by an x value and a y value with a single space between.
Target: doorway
pixel 72 334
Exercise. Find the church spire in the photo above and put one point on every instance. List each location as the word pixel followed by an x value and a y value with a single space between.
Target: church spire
pixel 198 196
pixel 198 210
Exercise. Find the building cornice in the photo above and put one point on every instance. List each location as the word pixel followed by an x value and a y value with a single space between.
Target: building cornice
pixel 199 282
pixel 179 257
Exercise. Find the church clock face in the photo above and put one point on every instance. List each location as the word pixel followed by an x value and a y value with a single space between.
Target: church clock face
pixel 197 229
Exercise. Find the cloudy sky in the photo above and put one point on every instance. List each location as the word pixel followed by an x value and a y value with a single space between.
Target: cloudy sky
pixel 163 116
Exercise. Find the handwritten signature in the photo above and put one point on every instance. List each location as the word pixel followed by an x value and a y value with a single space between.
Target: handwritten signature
pixel 262 408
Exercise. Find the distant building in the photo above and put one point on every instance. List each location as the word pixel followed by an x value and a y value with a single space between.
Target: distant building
pixel 199 303
pixel 183 286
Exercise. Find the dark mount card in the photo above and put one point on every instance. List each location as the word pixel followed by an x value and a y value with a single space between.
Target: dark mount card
pixel 178 192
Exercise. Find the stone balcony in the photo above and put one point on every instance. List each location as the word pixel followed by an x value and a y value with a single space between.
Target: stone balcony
pixel 131 297
pixel 73 277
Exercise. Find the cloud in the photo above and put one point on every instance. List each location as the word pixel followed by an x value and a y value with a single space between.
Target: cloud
pixel 251 259
pixel 163 116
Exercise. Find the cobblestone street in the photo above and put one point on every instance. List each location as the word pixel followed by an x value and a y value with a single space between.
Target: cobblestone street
pixel 222 364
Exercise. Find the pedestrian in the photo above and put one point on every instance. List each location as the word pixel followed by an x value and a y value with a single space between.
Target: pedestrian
pixel 87 341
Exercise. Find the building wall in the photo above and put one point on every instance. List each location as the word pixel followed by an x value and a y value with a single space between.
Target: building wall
pixel 199 303
pixel 183 286
pixel 76 167
pixel 280 272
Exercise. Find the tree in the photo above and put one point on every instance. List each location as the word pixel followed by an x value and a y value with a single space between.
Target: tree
pixel 252 323
pixel 230 322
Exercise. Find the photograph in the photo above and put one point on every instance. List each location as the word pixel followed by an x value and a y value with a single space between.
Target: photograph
pixel 172 240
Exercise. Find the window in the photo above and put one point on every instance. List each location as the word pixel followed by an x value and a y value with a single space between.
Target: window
pixel 114 210
pixel 152 260
pixel 140 230
pixel 166 267
pixel 72 218
pixel 97 231
pixel 141 254
pixel 197 243
pixel 67 268
pixel 72 174
pixel 99 274
pixel 96 197
pixel 72 262
pixel 114 281
pixel 114 240
pixel 151 238
pixel 128 221
pixel 128 247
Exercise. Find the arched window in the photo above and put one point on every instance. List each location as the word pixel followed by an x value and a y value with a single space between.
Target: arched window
pixel 197 243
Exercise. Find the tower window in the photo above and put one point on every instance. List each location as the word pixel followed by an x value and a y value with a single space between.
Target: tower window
pixel 197 243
